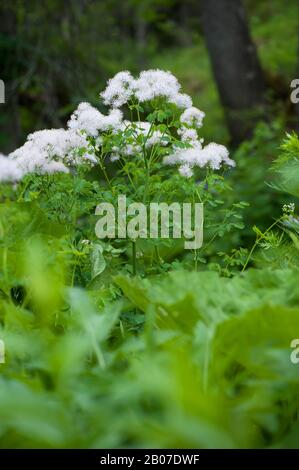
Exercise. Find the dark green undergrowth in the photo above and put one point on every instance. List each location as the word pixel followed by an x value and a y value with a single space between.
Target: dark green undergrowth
pixel 172 357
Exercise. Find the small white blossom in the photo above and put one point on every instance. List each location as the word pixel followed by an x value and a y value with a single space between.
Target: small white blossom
pixel 85 242
pixel 114 157
pixel 155 83
pixel 9 170
pixel 50 151
pixel 119 90
pixel 186 171
pixel 149 85
pixel 212 155
pixel 187 134
pixel 182 100
pixel 192 117
pixel 289 208
pixel 131 150
pixel 90 120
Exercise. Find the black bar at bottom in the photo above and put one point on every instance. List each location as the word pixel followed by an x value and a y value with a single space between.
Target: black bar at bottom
pixel 134 458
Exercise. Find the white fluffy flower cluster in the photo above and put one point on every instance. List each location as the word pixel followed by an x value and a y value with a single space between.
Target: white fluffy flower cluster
pixel 89 119
pixel 212 155
pixel 150 84
pixel 56 150
pixel 192 117
pixel 191 120
pixel 51 151
pixel 9 170
pixel 119 90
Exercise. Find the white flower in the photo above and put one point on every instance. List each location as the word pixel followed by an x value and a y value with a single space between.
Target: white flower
pixel 155 83
pixel 289 208
pixel 85 242
pixel 182 100
pixel 149 85
pixel 90 120
pixel 114 157
pixel 58 150
pixel 212 155
pixel 51 167
pixel 187 134
pixel 186 171
pixel 119 90
pixel 49 151
pixel 130 150
pixel 9 170
pixel 192 117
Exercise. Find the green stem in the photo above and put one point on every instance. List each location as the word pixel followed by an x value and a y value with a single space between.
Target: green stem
pixel 138 115
pixel 157 255
pixel 147 177
pixel 258 238
pixel 128 175
pixel 195 260
pixel 134 258
pixel 106 177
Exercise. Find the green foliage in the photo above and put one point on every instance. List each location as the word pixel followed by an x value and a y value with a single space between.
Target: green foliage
pixel 287 166
pixel 193 351
pixel 196 372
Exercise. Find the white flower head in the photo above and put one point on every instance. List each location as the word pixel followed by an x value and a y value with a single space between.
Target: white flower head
pixel 288 208
pixel 212 155
pixel 155 83
pixel 186 171
pixel 89 119
pixel 119 90
pixel 192 117
pixel 182 100
pixel 51 150
pixel 188 134
pixel 149 85
pixel 9 170
pixel 114 157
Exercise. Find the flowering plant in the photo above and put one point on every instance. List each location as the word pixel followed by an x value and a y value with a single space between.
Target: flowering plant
pixel 150 130
pixel 178 355
pixel 169 130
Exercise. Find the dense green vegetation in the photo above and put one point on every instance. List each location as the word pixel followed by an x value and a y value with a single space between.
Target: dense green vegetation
pixel 119 343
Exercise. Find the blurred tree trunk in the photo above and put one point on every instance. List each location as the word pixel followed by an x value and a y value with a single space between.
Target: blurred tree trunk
pixel 185 38
pixel 235 64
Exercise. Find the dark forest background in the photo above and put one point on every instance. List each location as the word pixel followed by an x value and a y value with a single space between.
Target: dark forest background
pixel 237 59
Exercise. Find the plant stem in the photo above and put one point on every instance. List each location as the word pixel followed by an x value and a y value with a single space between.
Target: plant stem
pixel 123 165
pixel 195 260
pixel 146 185
pixel 258 238
pixel 134 258
pixel 106 177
